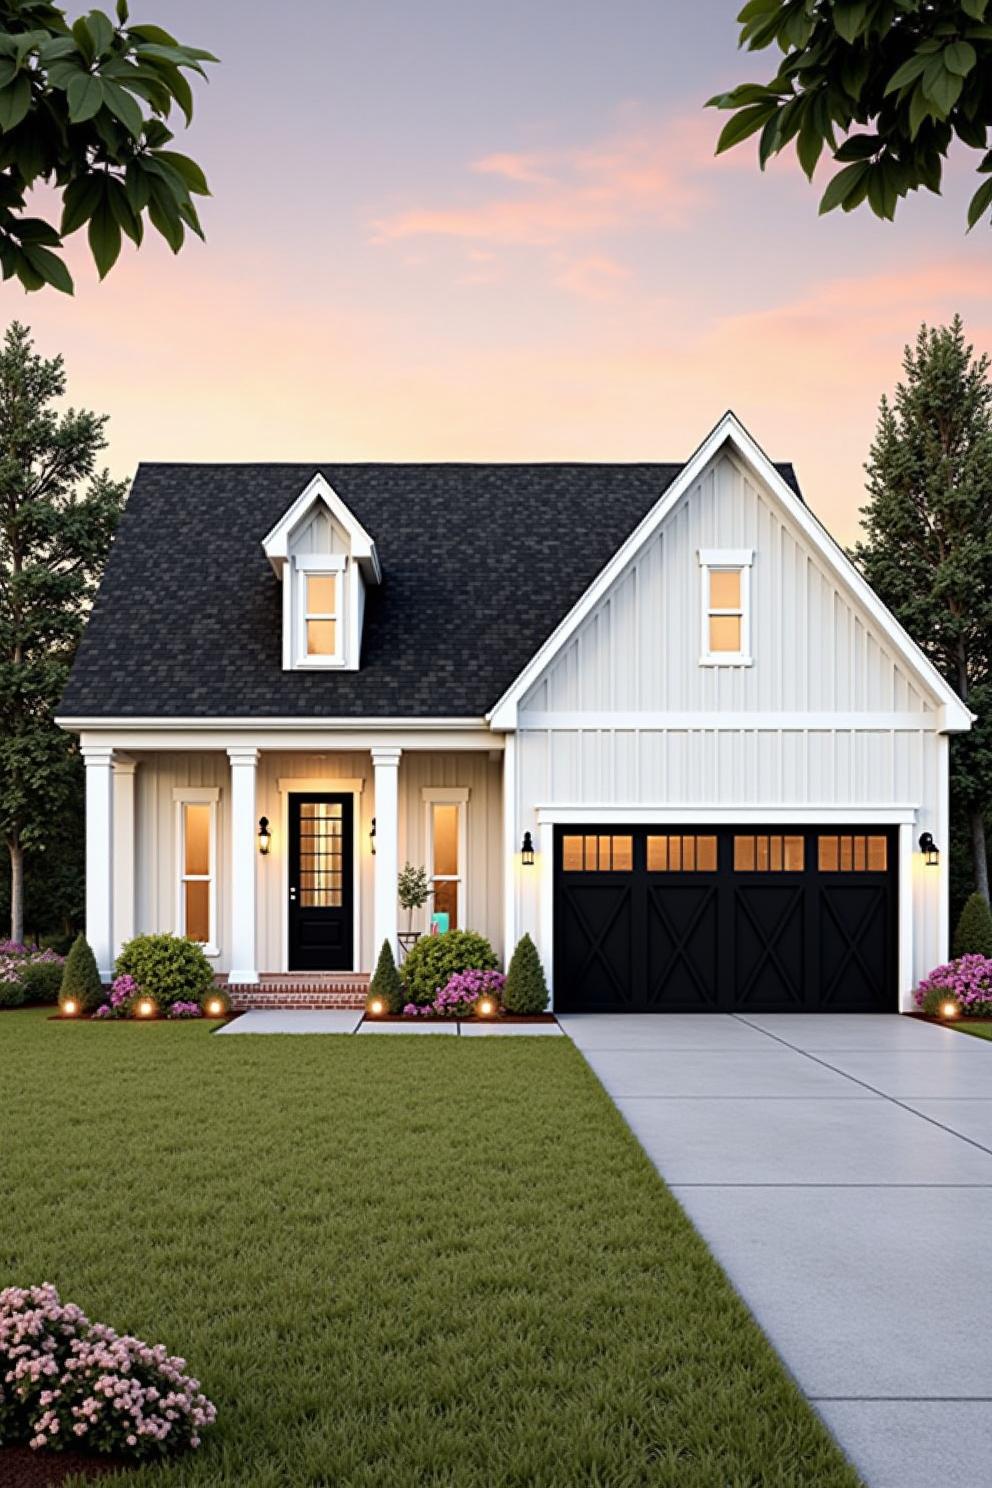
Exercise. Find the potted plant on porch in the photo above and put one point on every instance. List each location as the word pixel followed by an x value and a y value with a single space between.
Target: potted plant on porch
pixel 414 890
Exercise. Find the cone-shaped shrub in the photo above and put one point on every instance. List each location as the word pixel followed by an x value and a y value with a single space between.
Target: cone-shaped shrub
pixel 973 937
pixel 81 979
pixel 526 991
pixel 386 982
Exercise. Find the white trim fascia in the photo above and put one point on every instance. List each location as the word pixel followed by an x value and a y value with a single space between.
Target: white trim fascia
pixel 198 794
pixel 735 722
pixel 729 431
pixel 285 721
pixel 510 852
pixel 363 549
pixel 312 738
pixel 328 786
pixel 798 813
pixel 907 979
pixel 726 557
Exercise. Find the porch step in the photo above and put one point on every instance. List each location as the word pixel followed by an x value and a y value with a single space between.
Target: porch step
pixel 293 991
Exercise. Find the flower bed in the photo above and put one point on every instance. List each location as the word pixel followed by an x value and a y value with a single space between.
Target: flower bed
pixel 467 994
pixel 965 983
pixel 70 1382
pixel 28 975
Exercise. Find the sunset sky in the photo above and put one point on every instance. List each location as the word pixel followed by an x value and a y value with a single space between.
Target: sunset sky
pixel 497 231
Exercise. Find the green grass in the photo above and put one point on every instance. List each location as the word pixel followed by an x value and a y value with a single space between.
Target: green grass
pixel 980 1027
pixel 391 1261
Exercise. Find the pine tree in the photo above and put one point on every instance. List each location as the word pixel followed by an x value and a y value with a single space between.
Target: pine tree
pixel 526 990
pixel 927 549
pixel 80 977
pixel 57 517
pixel 973 936
pixel 386 981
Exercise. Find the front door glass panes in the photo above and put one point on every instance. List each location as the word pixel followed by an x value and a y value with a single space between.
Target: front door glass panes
pixel 321 855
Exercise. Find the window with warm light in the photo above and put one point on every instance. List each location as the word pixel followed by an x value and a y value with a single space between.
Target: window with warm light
pixel 322 615
pixel 597 854
pixel 446 850
pixel 681 854
pixel 726 607
pixel 196 847
pixel 854 854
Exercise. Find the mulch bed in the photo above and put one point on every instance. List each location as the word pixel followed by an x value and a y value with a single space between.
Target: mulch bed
pixel 20 1467
pixel 944 1022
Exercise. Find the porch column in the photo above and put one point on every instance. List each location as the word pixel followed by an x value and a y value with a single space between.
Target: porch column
pixel 99 762
pixel 386 761
pixel 124 885
pixel 244 765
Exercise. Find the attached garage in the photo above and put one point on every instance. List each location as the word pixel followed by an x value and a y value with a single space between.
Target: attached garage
pixel 726 919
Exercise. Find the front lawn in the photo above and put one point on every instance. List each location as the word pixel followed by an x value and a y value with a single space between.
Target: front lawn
pixel 390 1261
pixel 980 1027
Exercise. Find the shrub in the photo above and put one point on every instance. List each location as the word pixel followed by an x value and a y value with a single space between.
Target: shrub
pixel 968 980
pixel 70 1382
pixel 526 990
pixel 936 999
pixel 386 981
pixel 973 936
pixel 60 942
pixel 80 978
pixel 11 992
pixel 435 959
pixel 41 977
pixel 167 968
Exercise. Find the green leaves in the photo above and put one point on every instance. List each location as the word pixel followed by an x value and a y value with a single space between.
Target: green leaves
pixel 979 204
pixel 15 100
pixel 85 96
pixel 910 75
pixel 104 237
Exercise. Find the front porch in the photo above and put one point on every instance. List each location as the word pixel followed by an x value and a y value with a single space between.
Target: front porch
pixel 294 916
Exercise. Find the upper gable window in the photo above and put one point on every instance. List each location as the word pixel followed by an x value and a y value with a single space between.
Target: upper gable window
pixel 726 606
pixel 321 615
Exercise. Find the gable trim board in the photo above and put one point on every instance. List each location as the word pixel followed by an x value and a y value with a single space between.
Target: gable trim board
pixel 729 432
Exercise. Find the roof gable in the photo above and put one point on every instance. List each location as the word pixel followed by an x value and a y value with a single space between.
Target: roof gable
pixel 319 491
pixel 730 435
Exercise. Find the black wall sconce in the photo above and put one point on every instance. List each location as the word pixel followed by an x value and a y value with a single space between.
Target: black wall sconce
pixel 929 849
pixel 372 837
pixel 264 836
pixel 527 851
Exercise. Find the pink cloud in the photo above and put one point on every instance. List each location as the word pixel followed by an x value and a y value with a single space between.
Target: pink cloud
pixel 594 278
pixel 512 168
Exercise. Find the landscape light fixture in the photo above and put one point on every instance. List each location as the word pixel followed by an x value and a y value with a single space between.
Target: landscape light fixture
pixel 929 849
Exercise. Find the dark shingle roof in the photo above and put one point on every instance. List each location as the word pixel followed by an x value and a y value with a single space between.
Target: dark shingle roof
pixel 480 563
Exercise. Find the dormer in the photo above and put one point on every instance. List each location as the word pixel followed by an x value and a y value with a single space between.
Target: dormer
pixel 325 559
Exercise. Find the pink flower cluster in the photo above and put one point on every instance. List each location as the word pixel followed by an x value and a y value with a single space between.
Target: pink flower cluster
pixel 14 954
pixel 185 1010
pixel 65 1381
pixel 123 991
pixel 457 999
pixel 968 980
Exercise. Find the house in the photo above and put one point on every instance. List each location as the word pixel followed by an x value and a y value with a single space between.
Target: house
pixel 649 713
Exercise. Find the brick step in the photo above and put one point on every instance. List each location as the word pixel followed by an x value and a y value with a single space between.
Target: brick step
pixel 245 998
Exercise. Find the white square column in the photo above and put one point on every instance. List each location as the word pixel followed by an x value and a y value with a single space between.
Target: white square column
pixel 244 851
pixel 99 762
pixel 386 761
pixel 124 882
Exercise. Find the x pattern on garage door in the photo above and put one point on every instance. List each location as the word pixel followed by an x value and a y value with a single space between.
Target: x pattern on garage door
pixel 725 919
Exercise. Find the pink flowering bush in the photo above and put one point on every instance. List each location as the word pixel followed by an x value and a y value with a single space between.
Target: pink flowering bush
pixel 28 975
pixel 123 991
pixel 185 1010
pixel 458 997
pixel 968 981
pixel 65 1381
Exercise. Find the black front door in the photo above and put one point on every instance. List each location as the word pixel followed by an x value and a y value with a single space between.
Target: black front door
pixel 321 887
pixel 725 919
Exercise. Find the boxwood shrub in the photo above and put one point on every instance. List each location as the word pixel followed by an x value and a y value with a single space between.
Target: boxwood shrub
pixel 435 959
pixel 41 978
pixel 80 977
pixel 167 968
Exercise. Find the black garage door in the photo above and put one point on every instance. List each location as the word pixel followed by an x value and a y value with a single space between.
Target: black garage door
pixel 728 920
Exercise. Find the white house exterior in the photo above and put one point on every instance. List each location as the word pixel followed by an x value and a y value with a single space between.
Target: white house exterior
pixel 723 748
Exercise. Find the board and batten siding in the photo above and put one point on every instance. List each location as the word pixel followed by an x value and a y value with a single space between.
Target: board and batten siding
pixel 156 867
pixel 626 717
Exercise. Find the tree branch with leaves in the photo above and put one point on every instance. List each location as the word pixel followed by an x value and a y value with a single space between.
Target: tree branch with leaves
pixel 83 106
pixel 900 80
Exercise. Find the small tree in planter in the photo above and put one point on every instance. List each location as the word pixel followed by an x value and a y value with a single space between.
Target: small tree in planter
pixel 81 982
pixel 973 936
pixel 413 891
pixel 526 990
pixel 386 982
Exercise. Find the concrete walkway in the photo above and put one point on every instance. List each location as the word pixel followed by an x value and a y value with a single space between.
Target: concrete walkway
pixel 840 1168
pixel 347 1020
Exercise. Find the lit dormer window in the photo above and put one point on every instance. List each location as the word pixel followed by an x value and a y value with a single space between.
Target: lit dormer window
pixel 325 560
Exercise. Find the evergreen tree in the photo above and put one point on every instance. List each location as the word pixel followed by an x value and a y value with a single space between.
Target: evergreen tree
pixel 526 990
pixel 927 549
pixel 973 936
pixel 57 517
pixel 386 981
pixel 80 977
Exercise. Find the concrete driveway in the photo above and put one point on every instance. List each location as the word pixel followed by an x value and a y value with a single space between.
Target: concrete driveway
pixel 840 1168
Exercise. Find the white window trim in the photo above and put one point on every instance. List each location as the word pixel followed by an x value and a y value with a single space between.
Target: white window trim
pixel 448 795
pixel 305 564
pixel 323 785
pixel 195 795
pixel 735 560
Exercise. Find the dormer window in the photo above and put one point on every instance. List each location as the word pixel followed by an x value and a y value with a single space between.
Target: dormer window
pixel 325 560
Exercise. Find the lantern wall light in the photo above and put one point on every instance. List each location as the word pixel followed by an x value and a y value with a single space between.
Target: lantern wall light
pixel 264 836
pixel 372 837
pixel 929 849
pixel 527 851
